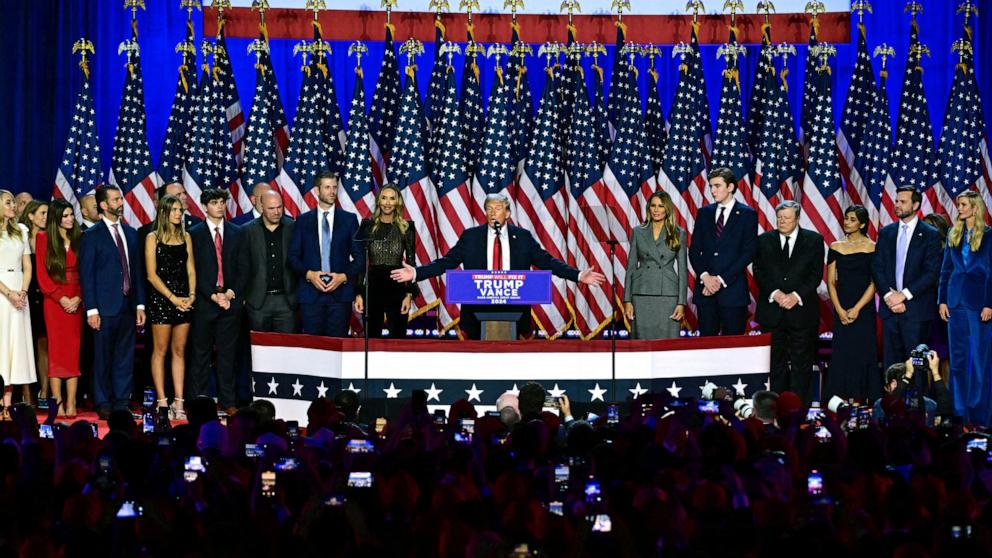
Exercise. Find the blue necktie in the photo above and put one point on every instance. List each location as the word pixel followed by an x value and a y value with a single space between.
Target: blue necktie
pixel 902 246
pixel 966 248
pixel 325 242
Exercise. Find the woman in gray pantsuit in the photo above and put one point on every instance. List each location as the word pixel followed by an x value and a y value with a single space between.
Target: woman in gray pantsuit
pixel 656 284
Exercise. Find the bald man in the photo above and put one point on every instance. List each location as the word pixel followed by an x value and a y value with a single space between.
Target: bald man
pixel 22 200
pixel 87 206
pixel 256 203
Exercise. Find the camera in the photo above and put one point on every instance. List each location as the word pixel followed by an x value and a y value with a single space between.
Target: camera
pixel 253 451
pixel 613 414
pixel 814 483
pixel 552 402
pixel 919 355
pixel 358 445
pixel 268 484
pixel 45 431
pixel 601 523
pixel 837 405
pixel 743 408
pixel 708 407
pixel 360 479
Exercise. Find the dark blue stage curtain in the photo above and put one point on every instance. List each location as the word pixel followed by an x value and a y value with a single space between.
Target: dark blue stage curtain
pixel 39 77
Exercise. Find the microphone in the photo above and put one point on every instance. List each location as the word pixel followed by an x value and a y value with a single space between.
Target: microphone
pixel 497 225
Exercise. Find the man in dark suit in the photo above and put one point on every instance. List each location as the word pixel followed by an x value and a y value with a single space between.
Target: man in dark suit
pixel 723 244
pixel 270 291
pixel 89 211
pixel 326 254
pixel 217 312
pixel 113 282
pixel 483 247
pixel 788 267
pixel 256 204
pixel 906 270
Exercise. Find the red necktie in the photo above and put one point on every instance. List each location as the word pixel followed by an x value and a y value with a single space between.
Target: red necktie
pixel 497 253
pixel 219 251
pixel 125 270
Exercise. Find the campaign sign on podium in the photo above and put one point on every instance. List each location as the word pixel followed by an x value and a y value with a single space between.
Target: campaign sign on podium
pixel 509 293
pixel 481 286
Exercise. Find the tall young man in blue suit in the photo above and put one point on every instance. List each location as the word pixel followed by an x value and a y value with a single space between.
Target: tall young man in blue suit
pixel 326 254
pixel 111 272
pixel 496 245
pixel 218 309
pixel 723 244
pixel 906 270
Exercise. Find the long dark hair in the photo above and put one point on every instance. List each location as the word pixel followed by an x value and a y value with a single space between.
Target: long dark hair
pixel 55 255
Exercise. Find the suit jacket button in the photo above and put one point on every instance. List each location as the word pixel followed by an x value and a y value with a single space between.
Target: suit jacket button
pixel 716 253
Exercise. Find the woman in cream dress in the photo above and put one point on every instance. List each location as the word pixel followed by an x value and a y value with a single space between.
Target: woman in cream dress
pixel 16 346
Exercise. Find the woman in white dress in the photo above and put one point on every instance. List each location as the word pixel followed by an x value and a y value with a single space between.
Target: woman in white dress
pixel 16 347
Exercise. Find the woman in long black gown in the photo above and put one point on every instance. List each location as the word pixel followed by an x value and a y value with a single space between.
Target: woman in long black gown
pixel 853 371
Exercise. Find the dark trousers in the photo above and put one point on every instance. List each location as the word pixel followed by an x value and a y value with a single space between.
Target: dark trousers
pixel 472 328
pixel 793 352
pixel 214 328
pixel 113 361
pixel 274 315
pixel 326 317
pixel 383 311
pixel 721 320
pixel 899 338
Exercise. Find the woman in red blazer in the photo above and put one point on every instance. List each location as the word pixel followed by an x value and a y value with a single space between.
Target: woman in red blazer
pixel 58 276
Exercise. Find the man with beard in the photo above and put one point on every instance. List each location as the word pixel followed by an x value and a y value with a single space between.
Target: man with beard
pixel 906 269
pixel 113 283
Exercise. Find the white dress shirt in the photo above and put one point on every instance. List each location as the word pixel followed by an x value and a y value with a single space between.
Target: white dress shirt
pixel 504 243
pixel 793 236
pixel 727 206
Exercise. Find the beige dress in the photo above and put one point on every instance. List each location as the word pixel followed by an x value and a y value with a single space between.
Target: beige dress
pixel 16 345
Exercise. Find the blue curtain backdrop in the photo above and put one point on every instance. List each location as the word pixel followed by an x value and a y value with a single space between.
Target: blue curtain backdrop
pixel 39 77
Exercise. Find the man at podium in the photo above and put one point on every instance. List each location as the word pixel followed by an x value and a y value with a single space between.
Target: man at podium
pixel 495 246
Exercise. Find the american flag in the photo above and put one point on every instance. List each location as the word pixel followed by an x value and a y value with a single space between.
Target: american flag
pixel 175 147
pixel 456 208
pixel 776 152
pixel 408 170
pixel 851 137
pixel 683 168
pixel 384 110
pixel 654 123
pixel 600 119
pixel 914 161
pixel 628 180
pixel 567 74
pixel 823 199
pixel 226 92
pixel 307 153
pixel 261 164
pixel 588 229
pixel 618 81
pixel 355 192
pixel 541 204
pixel 131 167
pixel 292 198
pixel 334 137
pixel 497 166
pixel 198 171
pixel 522 116
pixel 730 144
pixel 435 86
pixel 473 116
pixel 80 171
pixel 963 134
pixel 875 154
pixel 807 114
pixel 696 75
pixel 764 74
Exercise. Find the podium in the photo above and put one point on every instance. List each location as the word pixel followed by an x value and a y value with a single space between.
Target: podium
pixel 508 294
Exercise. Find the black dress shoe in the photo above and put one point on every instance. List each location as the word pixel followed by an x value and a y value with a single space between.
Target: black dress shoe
pixel 103 413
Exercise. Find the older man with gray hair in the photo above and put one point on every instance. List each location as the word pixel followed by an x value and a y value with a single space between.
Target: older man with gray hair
pixel 498 246
pixel 788 268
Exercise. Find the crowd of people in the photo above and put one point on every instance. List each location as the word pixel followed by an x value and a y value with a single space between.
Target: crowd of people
pixel 196 287
pixel 662 477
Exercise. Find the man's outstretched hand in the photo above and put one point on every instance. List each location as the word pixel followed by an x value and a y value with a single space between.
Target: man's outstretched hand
pixel 404 274
pixel 589 277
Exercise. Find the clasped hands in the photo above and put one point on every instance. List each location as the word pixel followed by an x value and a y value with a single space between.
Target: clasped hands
pixel 711 284
pixel 315 278
pixel 70 305
pixel 223 299
pixel 786 301
pixel 18 298
pixel 185 303
pixel 896 301
pixel 849 316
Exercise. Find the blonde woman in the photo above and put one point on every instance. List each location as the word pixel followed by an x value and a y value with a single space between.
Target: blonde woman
pixel 657 278
pixel 393 240
pixel 16 351
pixel 965 297
pixel 170 271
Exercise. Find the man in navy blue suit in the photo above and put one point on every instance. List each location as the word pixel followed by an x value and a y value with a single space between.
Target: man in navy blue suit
pixel 906 269
pixel 113 283
pixel 220 288
pixel 723 244
pixel 326 254
pixel 483 247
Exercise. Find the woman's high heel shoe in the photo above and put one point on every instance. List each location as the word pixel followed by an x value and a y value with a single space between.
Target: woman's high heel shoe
pixel 176 410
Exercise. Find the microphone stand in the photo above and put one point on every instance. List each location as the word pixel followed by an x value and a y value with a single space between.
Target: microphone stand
pixel 613 243
pixel 367 242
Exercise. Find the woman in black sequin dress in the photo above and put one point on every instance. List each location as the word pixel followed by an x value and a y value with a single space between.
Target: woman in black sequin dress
pixel 392 241
pixel 169 265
